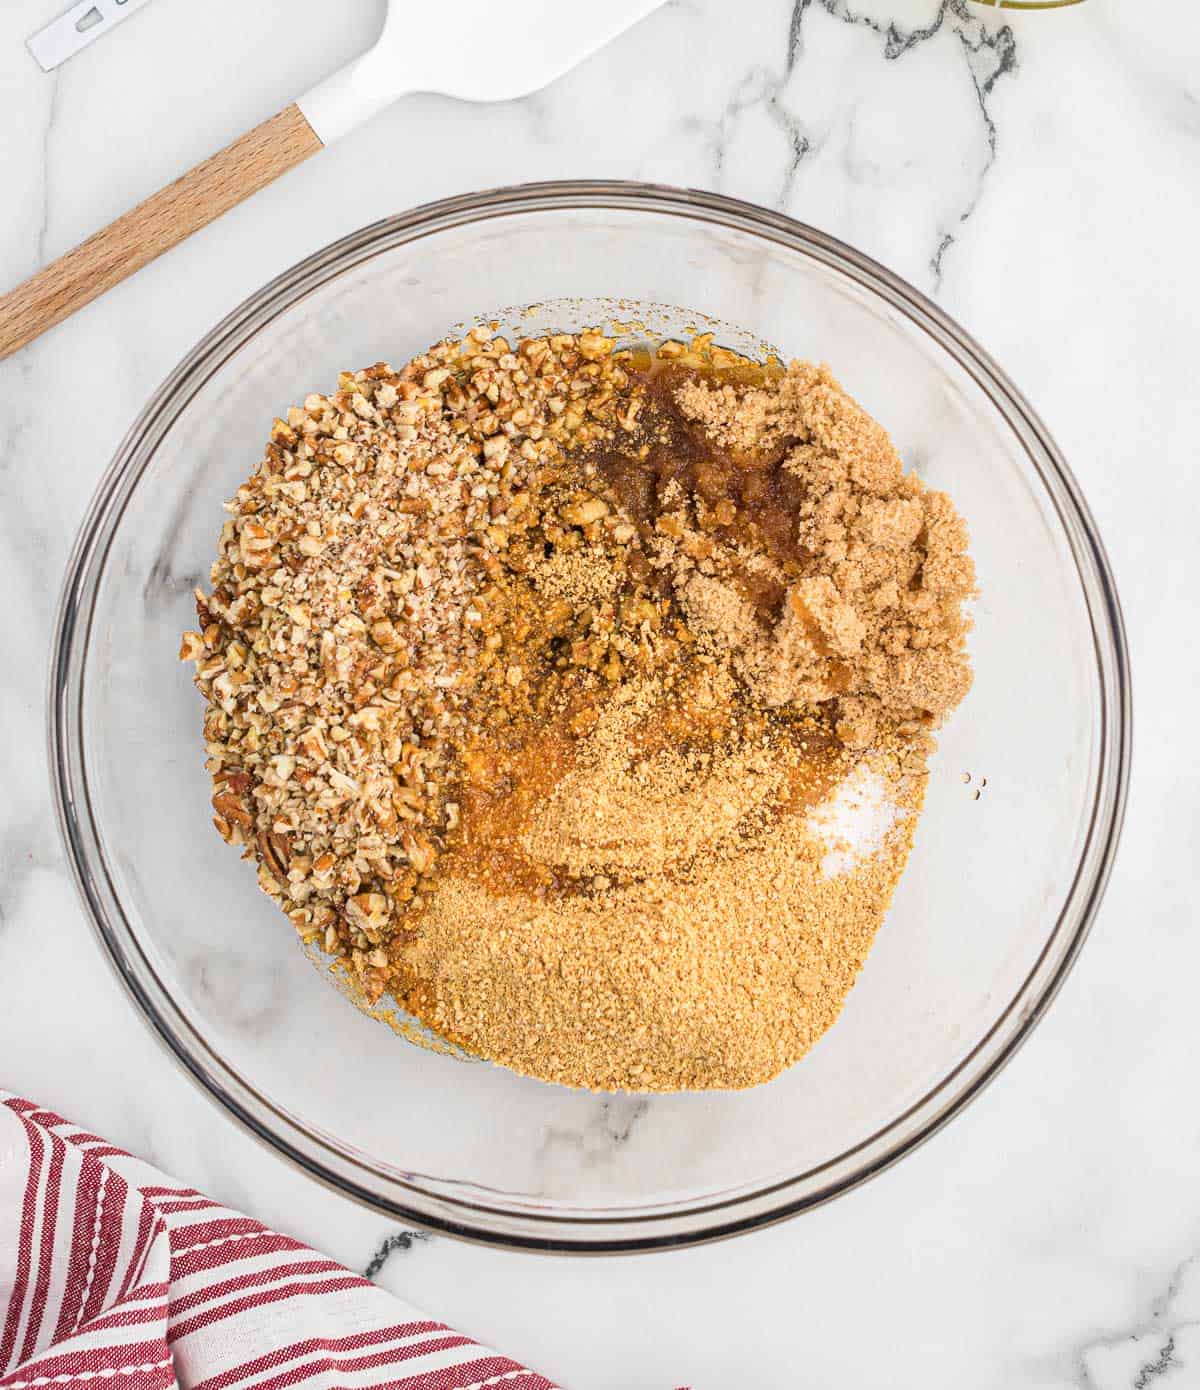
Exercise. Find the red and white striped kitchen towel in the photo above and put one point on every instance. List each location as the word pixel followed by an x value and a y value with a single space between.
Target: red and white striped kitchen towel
pixel 109 1271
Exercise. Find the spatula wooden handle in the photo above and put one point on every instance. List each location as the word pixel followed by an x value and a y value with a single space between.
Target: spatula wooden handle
pixel 162 221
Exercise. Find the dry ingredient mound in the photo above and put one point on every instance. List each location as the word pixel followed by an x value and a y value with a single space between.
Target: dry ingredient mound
pixel 578 699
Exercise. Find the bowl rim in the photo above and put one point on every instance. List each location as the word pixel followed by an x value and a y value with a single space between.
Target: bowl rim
pixel 629 1230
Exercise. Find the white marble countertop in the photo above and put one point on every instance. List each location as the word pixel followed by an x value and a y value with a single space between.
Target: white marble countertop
pixel 1040 176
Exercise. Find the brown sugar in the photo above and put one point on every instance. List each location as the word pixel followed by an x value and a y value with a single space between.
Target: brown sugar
pixel 579 699
pixel 873 618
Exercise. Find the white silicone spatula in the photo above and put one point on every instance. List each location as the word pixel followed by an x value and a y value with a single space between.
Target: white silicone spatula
pixel 479 50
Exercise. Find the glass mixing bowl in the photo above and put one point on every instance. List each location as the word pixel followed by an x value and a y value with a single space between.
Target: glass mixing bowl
pixel 999 893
